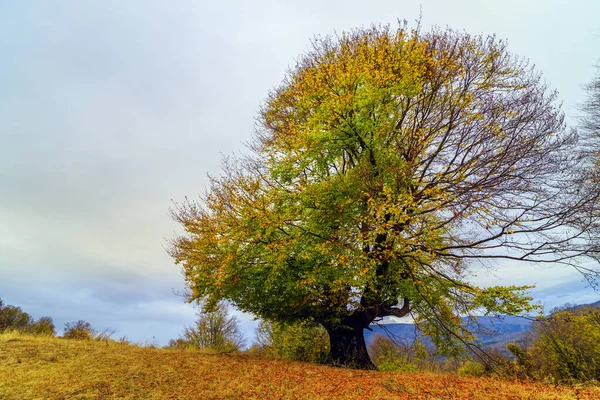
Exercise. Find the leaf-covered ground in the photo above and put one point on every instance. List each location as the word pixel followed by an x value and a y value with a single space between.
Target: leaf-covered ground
pixel 43 368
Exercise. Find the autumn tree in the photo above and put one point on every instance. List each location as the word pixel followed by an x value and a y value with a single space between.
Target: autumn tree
pixel 387 167
pixel 566 346
pixel 13 318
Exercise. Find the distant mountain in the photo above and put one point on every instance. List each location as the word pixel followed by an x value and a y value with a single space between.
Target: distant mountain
pixel 596 304
pixel 494 332
pixel 490 331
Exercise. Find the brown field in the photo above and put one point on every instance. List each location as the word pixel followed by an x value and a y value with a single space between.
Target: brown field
pixel 54 368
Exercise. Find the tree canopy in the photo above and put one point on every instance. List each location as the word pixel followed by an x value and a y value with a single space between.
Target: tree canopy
pixel 386 168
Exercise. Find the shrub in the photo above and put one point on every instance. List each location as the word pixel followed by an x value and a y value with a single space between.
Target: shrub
pixel 472 368
pixel 214 329
pixel 390 356
pixel 79 330
pixel 42 327
pixel 300 341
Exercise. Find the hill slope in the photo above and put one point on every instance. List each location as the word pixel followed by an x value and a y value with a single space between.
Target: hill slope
pixel 41 368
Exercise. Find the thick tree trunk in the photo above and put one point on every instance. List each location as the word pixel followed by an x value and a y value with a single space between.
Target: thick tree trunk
pixel 348 347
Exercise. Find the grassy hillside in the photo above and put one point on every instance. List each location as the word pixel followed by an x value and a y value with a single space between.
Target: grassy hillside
pixel 54 368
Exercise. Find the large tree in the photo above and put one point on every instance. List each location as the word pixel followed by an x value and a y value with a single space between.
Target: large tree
pixel 387 166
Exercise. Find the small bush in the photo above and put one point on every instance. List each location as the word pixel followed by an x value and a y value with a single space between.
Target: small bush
pixel 42 327
pixel 214 330
pixel 472 368
pixel 389 356
pixel 300 341
pixel 79 330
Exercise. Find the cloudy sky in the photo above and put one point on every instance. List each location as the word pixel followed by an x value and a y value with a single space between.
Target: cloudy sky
pixel 109 110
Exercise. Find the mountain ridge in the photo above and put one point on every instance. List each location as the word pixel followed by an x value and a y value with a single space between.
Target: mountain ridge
pixel 496 332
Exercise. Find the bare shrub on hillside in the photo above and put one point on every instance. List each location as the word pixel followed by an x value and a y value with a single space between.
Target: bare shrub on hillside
pixel 79 330
pixel 214 329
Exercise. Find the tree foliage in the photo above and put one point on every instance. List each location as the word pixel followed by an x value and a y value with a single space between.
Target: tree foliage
pixel 566 346
pixel 387 166
pixel 13 318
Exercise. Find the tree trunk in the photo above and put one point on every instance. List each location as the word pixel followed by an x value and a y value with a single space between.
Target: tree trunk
pixel 348 347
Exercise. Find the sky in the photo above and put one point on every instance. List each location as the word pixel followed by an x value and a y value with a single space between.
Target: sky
pixel 112 110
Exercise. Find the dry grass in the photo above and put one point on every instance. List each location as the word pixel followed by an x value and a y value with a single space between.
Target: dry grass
pixel 49 368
